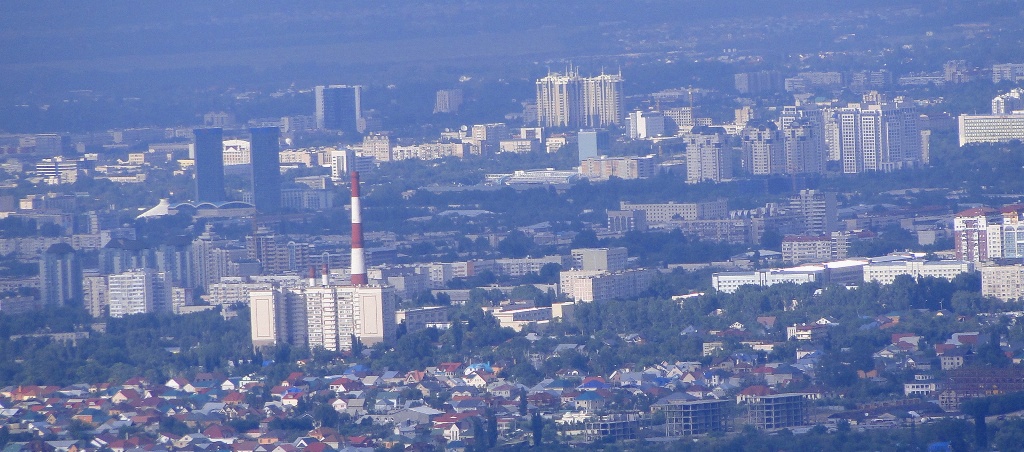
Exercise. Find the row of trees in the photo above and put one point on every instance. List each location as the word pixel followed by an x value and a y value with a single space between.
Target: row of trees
pixel 155 346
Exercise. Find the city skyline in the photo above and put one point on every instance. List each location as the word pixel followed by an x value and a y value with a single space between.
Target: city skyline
pixel 511 225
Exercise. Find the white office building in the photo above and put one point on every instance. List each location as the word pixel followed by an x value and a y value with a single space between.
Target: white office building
pixel 887 272
pixel 729 282
pixel 991 128
pixel 646 124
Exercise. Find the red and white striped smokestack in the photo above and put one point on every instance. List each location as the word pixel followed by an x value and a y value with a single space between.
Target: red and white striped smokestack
pixel 358 258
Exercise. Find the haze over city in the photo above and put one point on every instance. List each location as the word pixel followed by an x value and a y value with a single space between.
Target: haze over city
pixel 467 225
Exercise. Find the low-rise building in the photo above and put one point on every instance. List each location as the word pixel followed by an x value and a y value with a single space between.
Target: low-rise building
pixel 729 282
pixel 604 168
pixel 665 212
pixel 798 249
pixel 991 128
pixel 418 318
pixel 887 272
pixel 805 332
pixel 918 388
pixel 522 266
pixel 583 285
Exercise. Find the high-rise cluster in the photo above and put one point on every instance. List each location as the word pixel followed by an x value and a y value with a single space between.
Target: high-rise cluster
pixel 325 315
pixel 984 234
pixel 569 100
pixel 265 152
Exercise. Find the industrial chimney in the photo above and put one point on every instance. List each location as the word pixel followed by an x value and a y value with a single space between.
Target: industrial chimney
pixel 358 259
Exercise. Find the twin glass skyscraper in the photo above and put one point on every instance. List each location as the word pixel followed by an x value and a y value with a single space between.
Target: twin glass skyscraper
pixel 266 167
pixel 209 161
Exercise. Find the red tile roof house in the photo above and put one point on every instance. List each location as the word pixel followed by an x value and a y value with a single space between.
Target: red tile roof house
pixel 450 370
pixel 753 393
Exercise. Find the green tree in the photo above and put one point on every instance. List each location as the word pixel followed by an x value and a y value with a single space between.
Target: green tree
pixel 516 244
pixel 492 428
pixel 537 427
pixel 324 415
pixel 479 436
pixel 586 238
pixel 523 402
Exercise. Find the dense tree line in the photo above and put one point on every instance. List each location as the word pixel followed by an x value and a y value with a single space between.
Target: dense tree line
pixel 156 346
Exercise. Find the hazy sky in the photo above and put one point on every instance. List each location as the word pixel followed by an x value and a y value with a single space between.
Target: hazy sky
pixel 126 49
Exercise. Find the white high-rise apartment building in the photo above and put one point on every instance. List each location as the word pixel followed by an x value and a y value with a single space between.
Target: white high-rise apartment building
pixel 94 294
pixel 804 147
pixel 366 312
pixel 448 101
pixel 210 260
pixel 679 119
pixel 818 209
pixel 559 100
pixel 1005 282
pixel 487 137
pixel 277 317
pixel 763 150
pixel 878 135
pixel 707 157
pixel 138 292
pixel 569 100
pixel 602 100
pixel 323 316
pixel 804 138
pixel 600 259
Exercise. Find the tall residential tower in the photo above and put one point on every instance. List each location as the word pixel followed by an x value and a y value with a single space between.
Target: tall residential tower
pixel 569 100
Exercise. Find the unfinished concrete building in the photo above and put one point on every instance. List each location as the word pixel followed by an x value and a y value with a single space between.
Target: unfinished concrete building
pixel 779 411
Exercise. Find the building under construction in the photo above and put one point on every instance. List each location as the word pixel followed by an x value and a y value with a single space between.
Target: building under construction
pixel 779 411
pixel 614 427
pixel 696 417
pixel 969 382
